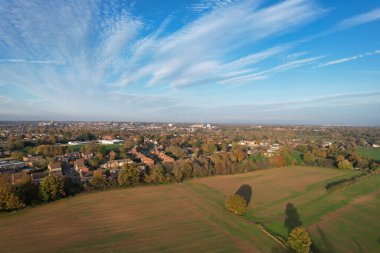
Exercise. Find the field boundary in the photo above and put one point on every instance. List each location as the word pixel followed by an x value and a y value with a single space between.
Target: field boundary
pixel 279 240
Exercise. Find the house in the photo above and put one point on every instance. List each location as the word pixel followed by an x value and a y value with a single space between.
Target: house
pixel 114 164
pixel 148 161
pixel 32 161
pixel 55 167
pixel 38 177
pixel 79 166
pixel 87 156
pixel 18 177
pixel 85 175
pixel 164 157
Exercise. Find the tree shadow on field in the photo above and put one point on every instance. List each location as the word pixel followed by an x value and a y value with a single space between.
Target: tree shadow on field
pixel 279 250
pixel 245 191
pixel 292 218
pixel 329 248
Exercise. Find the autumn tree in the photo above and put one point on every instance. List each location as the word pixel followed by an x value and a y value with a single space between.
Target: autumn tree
pixel 308 157
pixel 99 181
pixel 51 188
pixel 157 175
pixel 345 165
pixel 299 240
pixel 129 175
pixel 8 198
pixel 236 204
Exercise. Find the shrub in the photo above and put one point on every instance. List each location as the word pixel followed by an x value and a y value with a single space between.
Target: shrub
pixel 236 204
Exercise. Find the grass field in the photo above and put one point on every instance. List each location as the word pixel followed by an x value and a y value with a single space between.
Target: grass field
pixel 343 221
pixel 369 152
pixel 190 217
pixel 166 218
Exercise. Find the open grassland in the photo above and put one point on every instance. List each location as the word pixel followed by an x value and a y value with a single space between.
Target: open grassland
pixel 346 220
pixel 168 218
pixel 370 153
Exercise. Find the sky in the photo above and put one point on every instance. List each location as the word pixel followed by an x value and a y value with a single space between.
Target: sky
pixel 221 61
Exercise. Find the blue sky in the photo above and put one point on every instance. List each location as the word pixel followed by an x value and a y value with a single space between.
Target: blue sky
pixel 230 61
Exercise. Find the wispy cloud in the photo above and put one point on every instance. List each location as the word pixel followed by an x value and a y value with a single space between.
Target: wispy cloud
pixel 361 19
pixel 348 59
pixel 28 61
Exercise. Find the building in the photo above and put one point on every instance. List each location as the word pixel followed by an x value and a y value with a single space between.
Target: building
pixel 32 161
pixel 79 166
pixel 114 164
pixel 11 165
pixel 164 157
pixel 110 142
pixel 38 177
pixel 148 161
pixel 55 167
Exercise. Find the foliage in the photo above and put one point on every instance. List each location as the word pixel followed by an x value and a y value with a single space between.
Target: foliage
pixel 129 175
pixel 156 176
pixel 299 240
pixel 344 182
pixel 345 165
pixel 28 191
pixel 8 198
pixel 99 181
pixel 236 204
pixel 51 188
pixel 308 157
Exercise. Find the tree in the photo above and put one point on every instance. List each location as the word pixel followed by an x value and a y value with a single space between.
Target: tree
pixel 178 174
pixel 308 157
pixel 98 181
pixel 94 162
pixel 8 198
pixel 157 175
pixel 299 240
pixel 129 175
pixel 51 188
pixel 28 191
pixel 345 165
pixel 236 204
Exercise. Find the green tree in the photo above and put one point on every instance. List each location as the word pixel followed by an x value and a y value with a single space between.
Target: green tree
pixel 236 204
pixel 8 198
pixel 345 165
pixel 51 188
pixel 129 175
pixel 299 240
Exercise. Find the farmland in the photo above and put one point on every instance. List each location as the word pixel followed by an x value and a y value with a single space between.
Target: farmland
pixel 146 219
pixel 190 217
pixel 370 153
pixel 341 221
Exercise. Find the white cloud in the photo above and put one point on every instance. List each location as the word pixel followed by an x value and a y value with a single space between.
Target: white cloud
pixel 360 19
pixel 348 59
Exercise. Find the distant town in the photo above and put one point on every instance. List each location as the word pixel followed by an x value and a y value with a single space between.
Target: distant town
pixel 76 150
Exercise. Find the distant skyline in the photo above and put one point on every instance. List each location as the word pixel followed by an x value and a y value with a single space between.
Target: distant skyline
pixel 221 61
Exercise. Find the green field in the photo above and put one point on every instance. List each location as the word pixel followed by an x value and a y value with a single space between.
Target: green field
pixel 190 217
pixel 370 153
pixel 343 221
pixel 107 148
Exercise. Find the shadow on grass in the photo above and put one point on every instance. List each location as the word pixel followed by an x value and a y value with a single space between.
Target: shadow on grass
pixel 245 191
pixel 279 250
pixel 292 218
pixel 329 248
